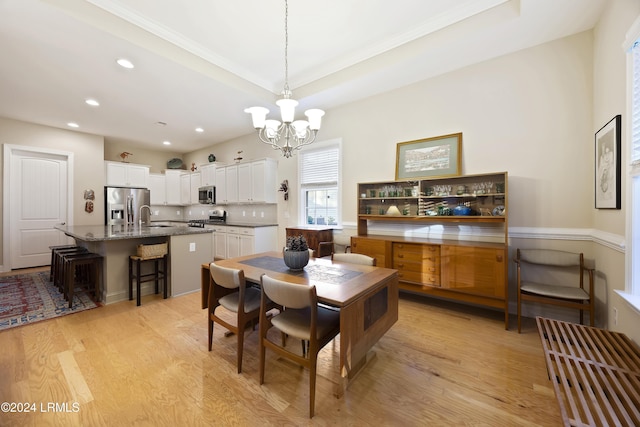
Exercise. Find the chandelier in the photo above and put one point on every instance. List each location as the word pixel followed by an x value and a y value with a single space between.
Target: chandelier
pixel 291 134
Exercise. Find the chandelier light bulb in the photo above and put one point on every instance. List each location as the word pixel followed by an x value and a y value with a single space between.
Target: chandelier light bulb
pixel 294 134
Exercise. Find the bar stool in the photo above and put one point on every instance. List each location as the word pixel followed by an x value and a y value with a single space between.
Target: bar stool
pixel 58 264
pixel 53 249
pixel 159 273
pixel 82 269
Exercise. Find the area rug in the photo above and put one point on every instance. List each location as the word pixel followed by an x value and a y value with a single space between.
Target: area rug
pixel 29 298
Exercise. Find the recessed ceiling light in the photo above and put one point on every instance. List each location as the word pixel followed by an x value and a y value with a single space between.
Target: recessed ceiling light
pixel 92 102
pixel 167 143
pixel 199 130
pixel 73 125
pixel 125 63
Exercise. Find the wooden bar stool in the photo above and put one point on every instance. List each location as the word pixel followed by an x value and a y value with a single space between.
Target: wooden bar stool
pixel 159 273
pixel 53 249
pixel 58 264
pixel 83 269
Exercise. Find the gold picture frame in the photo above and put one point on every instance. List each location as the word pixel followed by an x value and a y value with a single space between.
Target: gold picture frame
pixel 440 156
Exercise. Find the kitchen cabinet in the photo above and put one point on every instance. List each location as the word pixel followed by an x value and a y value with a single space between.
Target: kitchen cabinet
pixel 172 185
pixel 227 184
pixel 375 248
pixel 157 189
pixel 257 181
pixel 231 242
pixel 189 184
pixel 208 174
pixel 119 174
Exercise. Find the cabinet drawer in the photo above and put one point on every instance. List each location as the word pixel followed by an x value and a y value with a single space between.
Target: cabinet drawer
pixel 417 277
pixel 416 252
pixel 421 267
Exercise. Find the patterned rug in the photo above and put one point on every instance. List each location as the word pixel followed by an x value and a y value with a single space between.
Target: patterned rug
pixel 29 298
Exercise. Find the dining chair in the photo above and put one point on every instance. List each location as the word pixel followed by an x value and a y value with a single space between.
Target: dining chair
pixel 554 277
pixel 228 288
pixel 352 258
pixel 302 318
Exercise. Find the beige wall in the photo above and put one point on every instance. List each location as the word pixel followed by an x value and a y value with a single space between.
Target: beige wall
pixel 610 99
pixel 88 162
pixel 156 160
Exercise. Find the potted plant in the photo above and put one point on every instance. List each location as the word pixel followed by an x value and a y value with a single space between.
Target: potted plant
pixel 296 252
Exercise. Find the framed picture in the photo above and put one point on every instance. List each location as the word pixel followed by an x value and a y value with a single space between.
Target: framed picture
pixel 430 157
pixel 607 164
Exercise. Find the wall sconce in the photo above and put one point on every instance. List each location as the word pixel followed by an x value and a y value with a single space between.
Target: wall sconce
pixel 284 187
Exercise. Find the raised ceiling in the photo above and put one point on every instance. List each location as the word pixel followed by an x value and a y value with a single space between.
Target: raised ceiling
pixel 199 63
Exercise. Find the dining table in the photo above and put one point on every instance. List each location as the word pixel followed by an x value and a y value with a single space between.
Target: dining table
pixel 366 296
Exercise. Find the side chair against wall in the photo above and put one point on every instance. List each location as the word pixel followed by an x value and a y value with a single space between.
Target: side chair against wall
pixel 549 291
pixel 340 244
pixel 354 259
pixel 229 290
pixel 302 318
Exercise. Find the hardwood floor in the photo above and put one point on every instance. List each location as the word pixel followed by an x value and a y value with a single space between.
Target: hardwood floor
pixel 441 364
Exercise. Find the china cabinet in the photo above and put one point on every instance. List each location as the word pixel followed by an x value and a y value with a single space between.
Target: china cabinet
pixel 474 272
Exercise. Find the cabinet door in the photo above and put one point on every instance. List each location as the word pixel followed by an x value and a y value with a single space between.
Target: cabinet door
pixel 233 245
pixel 263 180
pixel 208 174
pixel 375 248
pixel 220 249
pixel 221 185
pixel 245 192
pixel 185 189
pixel 231 174
pixel 195 184
pixel 474 270
pixel 138 176
pixel 246 245
pixel 157 189
pixel 173 187
pixel 116 174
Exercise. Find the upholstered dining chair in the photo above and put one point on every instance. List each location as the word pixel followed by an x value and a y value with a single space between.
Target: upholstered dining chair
pixel 229 290
pixel 352 258
pixel 302 318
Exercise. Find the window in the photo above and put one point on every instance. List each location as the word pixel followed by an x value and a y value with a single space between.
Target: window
pixel 633 131
pixel 319 171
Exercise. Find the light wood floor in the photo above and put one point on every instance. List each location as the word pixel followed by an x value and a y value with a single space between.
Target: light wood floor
pixel 442 364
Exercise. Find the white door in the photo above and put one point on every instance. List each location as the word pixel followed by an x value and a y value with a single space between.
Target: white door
pixel 38 200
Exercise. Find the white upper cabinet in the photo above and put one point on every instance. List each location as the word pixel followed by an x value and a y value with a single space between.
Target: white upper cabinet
pixel 208 174
pixel 231 175
pixel 173 187
pixel 257 181
pixel 189 184
pixel 221 185
pixel 120 174
pixel 158 189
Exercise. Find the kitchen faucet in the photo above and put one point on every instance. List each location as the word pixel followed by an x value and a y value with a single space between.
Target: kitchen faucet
pixel 140 216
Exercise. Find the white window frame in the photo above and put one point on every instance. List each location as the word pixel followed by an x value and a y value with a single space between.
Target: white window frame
pixel 632 253
pixel 302 221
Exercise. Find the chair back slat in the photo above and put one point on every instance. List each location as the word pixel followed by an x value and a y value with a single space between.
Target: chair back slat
pixel 549 257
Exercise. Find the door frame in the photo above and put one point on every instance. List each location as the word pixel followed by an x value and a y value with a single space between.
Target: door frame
pixel 8 153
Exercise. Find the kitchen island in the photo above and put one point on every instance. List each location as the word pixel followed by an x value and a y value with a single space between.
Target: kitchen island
pixel 188 247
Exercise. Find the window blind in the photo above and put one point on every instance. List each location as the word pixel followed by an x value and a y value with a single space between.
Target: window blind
pixel 635 109
pixel 319 166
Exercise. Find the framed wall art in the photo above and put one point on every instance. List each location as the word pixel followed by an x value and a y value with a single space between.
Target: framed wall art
pixel 431 157
pixel 607 164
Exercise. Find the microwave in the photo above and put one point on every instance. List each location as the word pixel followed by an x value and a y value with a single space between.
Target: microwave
pixel 207 195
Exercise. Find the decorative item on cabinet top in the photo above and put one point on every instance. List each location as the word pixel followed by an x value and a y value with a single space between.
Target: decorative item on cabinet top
pixel 211 158
pixel 124 156
pixel 174 163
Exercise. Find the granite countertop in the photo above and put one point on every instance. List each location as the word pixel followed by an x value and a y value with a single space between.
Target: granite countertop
pixel 98 233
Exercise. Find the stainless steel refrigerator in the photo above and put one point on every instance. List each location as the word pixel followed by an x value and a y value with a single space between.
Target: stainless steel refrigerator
pixel 124 206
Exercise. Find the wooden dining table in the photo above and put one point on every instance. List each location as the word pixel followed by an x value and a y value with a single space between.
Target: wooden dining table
pixel 366 296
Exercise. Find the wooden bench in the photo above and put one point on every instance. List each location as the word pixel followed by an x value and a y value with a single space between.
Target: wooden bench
pixel 595 373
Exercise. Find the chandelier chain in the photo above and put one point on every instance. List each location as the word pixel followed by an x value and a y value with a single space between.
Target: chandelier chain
pixel 287 92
